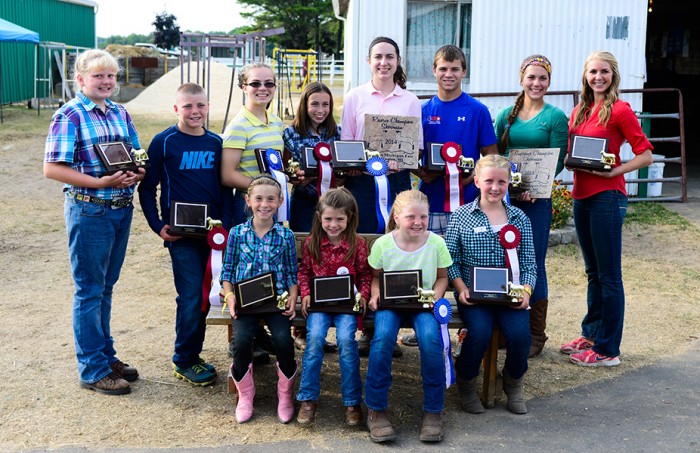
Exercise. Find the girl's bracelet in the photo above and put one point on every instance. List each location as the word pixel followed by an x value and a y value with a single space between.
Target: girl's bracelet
pixel 230 293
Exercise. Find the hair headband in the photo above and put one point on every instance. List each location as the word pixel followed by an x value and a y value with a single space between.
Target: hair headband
pixel 537 61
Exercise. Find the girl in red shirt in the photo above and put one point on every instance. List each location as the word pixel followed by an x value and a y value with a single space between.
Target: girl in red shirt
pixel 333 248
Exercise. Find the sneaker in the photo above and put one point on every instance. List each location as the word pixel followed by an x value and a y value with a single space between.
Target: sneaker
pixel 409 339
pixel 591 358
pixel 578 345
pixel 461 335
pixel 112 384
pixel 208 366
pixel 126 372
pixel 195 375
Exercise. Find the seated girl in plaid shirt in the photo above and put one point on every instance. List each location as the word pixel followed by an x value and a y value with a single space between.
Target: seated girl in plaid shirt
pixel 473 240
pixel 255 247
pixel 333 248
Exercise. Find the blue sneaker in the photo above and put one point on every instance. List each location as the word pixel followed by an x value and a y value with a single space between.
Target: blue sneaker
pixel 195 375
pixel 207 366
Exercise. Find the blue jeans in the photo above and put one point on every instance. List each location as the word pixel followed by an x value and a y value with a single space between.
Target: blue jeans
pixel 378 379
pixel 243 332
pixel 363 189
pixel 599 220
pixel 189 261
pixel 540 215
pixel 97 240
pixel 479 320
pixel 317 326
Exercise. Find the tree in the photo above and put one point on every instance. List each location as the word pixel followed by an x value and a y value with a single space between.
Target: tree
pixel 167 34
pixel 307 23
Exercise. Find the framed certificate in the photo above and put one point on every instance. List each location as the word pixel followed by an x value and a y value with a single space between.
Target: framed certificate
pixel 189 219
pixel 115 157
pixel 490 286
pixel 589 153
pixel 398 290
pixel 349 155
pixel 256 295
pixel 333 294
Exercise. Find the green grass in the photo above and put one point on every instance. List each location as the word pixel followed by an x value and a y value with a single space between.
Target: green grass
pixel 651 213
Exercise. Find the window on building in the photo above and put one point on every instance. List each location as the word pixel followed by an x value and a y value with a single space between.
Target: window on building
pixel 432 24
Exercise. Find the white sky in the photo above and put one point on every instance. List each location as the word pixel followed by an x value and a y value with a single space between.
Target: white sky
pixel 123 17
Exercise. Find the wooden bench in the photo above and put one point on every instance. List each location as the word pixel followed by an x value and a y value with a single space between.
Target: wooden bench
pixel 492 381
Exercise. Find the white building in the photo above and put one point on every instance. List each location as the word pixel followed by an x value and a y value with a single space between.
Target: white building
pixel 496 36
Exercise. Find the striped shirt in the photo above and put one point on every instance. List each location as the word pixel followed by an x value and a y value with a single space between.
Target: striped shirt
pixel 248 255
pixel 76 128
pixel 472 242
pixel 247 132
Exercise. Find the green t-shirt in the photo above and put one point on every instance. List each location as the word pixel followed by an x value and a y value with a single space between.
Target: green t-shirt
pixel 429 258
pixel 247 132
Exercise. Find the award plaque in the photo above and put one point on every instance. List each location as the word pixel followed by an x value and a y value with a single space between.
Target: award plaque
pixel 333 294
pixel 400 290
pixel 260 157
pixel 349 155
pixel 589 153
pixel 256 295
pixel 115 157
pixel 309 164
pixel 189 219
pixel 491 286
pixel 434 162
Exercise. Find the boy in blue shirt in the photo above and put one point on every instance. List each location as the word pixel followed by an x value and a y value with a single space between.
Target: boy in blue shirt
pixel 186 162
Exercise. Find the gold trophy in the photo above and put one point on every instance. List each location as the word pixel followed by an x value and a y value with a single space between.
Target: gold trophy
pixel 358 299
pixel 140 157
pixel 293 167
pixel 608 159
pixel 370 154
pixel 426 297
pixel 213 223
pixel 282 300
pixel 465 163
pixel 516 292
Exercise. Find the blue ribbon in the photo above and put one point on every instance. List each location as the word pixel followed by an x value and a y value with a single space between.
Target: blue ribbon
pixel 442 310
pixel 377 167
pixel 273 158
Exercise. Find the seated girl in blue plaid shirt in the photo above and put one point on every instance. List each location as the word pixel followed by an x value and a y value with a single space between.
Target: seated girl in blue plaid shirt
pixel 473 239
pixel 255 247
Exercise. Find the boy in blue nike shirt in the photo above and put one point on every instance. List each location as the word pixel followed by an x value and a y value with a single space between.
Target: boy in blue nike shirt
pixel 186 162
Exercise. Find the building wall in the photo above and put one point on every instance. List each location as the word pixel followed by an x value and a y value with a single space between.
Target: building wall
pixel 504 32
pixel 56 21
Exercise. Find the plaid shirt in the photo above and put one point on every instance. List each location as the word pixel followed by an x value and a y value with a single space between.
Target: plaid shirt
pixel 294 142
pixel 247 255
pixel 333 257
pixel 75 130
pixel 472 242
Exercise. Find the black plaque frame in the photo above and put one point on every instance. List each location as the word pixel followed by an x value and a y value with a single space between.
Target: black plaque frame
pixel 483 291
pixel 584 153
pixel 309 163
pixel 189 224
pixel 334 294
pixel 434 163
pixel 398 290
pixel 262 163
pixel 341 161
pixel 256 295
pixel 115 157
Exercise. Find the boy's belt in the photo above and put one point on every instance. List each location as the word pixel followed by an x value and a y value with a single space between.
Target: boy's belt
pixel 116 203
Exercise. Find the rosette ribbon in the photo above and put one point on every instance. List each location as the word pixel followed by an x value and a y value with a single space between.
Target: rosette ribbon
pixel 325 180
pixel 451 152
pixel 211 286
pixel 509 236
pixel 377 167
pixel 443 313
pixel 274 164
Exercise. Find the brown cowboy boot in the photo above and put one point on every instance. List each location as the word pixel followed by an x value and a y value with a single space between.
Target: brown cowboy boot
pixel 538 322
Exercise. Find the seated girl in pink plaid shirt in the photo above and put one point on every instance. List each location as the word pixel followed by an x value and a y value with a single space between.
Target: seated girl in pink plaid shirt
pixel 333 248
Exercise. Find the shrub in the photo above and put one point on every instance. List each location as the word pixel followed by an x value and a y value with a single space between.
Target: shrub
pixel 562 205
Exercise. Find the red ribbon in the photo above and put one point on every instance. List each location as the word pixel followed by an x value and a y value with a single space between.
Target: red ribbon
pixel 217 239
pixel 451 151
pixel 322 151
pixel 509 236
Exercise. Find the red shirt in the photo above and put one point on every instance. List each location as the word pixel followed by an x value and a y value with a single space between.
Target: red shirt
pixel 623 126
pixel 332 258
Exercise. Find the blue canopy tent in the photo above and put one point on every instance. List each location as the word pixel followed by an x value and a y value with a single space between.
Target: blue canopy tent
pixel 10 32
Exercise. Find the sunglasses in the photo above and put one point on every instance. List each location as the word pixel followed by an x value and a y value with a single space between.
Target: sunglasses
pixel 259 84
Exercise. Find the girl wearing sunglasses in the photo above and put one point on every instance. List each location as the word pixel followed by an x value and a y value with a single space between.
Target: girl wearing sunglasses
pixel 253 127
